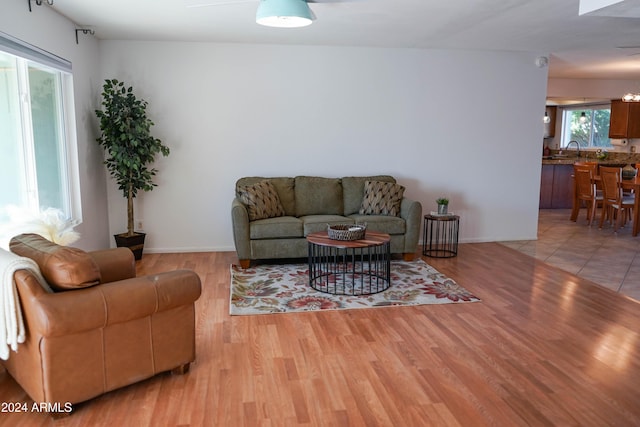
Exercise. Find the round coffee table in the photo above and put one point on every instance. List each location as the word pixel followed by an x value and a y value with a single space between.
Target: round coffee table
pixel 349 267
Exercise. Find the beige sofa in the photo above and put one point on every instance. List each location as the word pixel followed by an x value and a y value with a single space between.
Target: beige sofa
pixel 262 230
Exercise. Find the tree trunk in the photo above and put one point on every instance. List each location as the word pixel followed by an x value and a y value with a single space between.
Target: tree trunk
pixel 130 211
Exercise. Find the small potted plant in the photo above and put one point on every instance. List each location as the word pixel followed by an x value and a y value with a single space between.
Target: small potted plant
pixel 443 204
pixel 130 149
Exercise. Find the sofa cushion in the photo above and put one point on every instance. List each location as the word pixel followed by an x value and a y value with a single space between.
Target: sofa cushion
pixel 279 248
pixel 262 200
pixel 286 192
pixel 315 223
pixel 382 223
pixel 353 190
pixel 283 186
pixel 381 198
pixel 318 196
pixel 64 268
pixel 276 228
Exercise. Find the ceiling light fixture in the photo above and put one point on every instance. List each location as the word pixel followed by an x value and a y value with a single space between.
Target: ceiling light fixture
pixel 284 13
pixel 631 97
pixel 546 118
pixel 583 117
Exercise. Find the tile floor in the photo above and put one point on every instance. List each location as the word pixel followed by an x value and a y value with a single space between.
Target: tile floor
pixel 600 255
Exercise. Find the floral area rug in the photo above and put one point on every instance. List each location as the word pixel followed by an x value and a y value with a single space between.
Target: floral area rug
pixel 284 288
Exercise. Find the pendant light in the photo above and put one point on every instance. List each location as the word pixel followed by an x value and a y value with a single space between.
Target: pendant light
pixel 284 13
pixel 546 118
pixel 631 97
pixel 583 117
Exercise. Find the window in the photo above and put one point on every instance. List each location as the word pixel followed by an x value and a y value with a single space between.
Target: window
pixel 587 124
pixel 38 165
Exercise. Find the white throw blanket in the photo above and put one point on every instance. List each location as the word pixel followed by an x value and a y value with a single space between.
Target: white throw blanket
pixel 11 324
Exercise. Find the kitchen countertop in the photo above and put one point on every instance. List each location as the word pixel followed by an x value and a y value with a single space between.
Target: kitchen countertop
pixel 570 158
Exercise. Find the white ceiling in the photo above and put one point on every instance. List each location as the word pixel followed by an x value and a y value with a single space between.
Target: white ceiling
pixel 602 44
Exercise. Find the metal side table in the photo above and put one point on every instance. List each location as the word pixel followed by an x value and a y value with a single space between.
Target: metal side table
pixel 440 238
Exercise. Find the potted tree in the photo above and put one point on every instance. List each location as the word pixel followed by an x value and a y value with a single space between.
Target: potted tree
pixel 130 149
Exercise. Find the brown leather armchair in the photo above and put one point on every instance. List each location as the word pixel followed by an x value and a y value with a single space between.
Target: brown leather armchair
pixel 111 330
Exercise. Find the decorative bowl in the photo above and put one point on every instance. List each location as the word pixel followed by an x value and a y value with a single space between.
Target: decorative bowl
pixel 346 231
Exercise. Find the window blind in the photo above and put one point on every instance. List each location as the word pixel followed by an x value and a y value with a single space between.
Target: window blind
pixel 25 50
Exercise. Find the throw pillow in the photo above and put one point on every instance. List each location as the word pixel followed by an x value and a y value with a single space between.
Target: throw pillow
pixel 284 187
pixel 261 200
pixel 64 268
pixel 381 198
pixel 353 190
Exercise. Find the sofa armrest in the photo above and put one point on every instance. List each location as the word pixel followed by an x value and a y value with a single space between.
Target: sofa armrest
pixel 240 222
pixel 115 264
pixel 411 212
pixel 81 310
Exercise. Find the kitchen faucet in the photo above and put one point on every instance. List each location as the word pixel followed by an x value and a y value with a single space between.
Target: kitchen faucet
pixel 577 146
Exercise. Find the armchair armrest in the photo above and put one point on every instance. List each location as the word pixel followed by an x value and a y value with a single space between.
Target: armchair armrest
pixel 115 264
pixel 240 222
pixel 411 212
pixel 81 310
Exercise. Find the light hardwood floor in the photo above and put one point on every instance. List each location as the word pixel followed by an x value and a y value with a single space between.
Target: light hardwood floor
pixel 543 348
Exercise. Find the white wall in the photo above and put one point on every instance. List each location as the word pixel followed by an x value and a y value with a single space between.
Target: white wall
pixel 52 32
pixel 462 124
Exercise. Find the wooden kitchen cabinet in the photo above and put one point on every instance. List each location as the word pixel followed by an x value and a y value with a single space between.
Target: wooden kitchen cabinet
pixel 625 120
pixel 550 128
pixel 546 186
pixel 556 187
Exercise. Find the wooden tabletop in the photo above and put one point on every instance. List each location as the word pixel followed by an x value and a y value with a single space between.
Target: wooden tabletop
pixel 441 217
pixel 627 184
pixel 371 238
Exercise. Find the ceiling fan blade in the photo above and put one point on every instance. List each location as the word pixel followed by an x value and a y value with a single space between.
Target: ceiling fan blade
pixel 333 1
pixel 207 3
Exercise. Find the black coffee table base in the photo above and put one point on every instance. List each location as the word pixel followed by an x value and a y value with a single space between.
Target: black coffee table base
pixel 350 271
